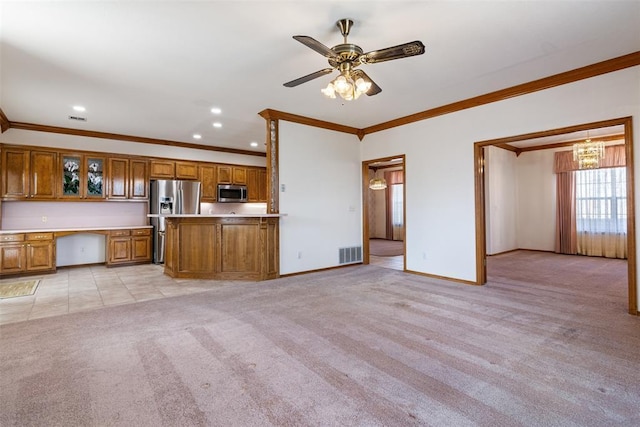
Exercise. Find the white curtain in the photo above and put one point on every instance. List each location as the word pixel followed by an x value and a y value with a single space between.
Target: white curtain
pixel 601 212
pixel 397 211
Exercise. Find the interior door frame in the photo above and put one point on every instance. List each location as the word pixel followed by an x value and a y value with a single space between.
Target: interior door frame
pixel 365 206
pixel 479 176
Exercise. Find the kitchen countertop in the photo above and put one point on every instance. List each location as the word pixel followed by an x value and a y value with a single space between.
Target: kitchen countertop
pixel 88 229
pixel 240 215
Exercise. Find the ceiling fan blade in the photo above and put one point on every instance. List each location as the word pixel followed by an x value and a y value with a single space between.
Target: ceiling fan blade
pixel 395 52
pixel 316 45
pixel 374 89
pixel 308 77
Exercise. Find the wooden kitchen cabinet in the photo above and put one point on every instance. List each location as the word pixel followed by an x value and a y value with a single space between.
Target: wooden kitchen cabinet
pixel 228 174
pixel 224 174
pixel 138 179
pixel 27 253
pixel 187 170
pixel 129 246
pixel 222 248
pixel 173 169
pixel 256 184
pixel 162 169
pixel 127 179
pixel 28 174
pixel 239 175
pixel 118 183
pixel 253 192
pixel 82 176
pixel 208 183
pixel 262 185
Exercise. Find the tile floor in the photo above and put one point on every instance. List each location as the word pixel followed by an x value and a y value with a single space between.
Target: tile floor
pixel 392 262
pixel 73 289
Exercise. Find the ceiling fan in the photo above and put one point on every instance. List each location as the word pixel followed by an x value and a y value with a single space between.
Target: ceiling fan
pixel 346 57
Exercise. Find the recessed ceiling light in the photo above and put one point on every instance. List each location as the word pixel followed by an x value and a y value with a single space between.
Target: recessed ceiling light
pixel 217 125
pixel 216 110
pixel 79 108
pixel 254 144
pixel 197 136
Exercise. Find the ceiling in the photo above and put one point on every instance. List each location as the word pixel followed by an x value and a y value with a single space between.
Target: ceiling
pixel 155 69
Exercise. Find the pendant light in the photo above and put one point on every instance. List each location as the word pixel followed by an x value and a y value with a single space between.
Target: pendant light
pixel 377 183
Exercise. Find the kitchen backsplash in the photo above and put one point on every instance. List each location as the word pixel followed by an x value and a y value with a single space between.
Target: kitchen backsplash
pixel 56 215
pixel 238 208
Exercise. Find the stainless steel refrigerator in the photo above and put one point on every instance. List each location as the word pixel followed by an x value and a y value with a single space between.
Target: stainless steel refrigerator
pixel 170 197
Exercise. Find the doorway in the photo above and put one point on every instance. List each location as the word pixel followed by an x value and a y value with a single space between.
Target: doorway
pixel 384 218
pixel 510 143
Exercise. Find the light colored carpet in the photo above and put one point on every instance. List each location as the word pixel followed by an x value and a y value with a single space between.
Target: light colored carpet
pixel 383 247
pixel 355 346
pixel 18 289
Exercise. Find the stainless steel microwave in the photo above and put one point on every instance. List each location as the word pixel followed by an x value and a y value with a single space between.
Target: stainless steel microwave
pixel 232 193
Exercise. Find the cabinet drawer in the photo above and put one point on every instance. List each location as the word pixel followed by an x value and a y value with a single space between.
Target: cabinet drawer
pixel 39 236
pixel 141 232
pixel 118 233
pixel 12 238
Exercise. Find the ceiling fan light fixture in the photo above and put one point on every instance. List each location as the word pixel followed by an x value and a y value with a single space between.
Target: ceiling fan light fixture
pixel 329 91
pixel 362 86
pixel 345 86
pixel 345 57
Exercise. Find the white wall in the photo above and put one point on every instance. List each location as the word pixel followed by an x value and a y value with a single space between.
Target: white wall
pixel 501 200
pixel 536 219
pixel 378 209
pixel 520 200
pixel 320 171
pixel 440 169
pixel 81 249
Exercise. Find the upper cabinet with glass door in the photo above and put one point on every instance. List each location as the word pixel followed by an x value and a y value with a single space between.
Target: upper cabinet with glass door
pixel 82 177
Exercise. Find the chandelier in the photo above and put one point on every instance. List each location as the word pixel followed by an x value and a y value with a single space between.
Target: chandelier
pixel 588 154
pixel 349 84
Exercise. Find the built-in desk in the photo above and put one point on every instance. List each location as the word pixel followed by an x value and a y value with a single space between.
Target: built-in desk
pixel 34 251
pixel 222 247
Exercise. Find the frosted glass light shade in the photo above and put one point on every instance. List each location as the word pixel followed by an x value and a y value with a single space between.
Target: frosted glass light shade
pixel 377 184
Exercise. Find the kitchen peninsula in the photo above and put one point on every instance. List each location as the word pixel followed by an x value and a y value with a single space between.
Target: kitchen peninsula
pixel 222 246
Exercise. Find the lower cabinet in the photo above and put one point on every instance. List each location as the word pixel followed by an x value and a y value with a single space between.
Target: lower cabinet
pixel 222 248
pixel 24 253
pixel 129 246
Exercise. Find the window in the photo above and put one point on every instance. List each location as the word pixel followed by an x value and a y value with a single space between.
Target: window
pixel 397 215
pixel 601 200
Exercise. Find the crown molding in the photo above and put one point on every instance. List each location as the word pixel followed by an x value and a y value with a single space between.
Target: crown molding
pixel 129 138
pixel 270 114
pixel 593 70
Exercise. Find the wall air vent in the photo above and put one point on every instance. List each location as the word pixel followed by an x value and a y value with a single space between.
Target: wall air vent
pixel 78 118
pixel 350 255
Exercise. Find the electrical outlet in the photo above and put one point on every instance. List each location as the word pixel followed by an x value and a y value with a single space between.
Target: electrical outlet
pixel 44 219
pixel 299 255
pixel 424 255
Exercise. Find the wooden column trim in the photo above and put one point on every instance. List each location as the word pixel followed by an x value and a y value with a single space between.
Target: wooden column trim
pixel 4 122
